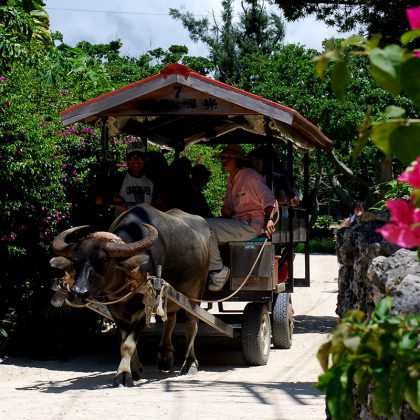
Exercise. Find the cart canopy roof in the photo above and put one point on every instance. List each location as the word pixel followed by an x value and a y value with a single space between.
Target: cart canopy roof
pixel 179 107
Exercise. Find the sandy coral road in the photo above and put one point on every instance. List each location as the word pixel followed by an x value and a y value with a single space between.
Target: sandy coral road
pixel 224 388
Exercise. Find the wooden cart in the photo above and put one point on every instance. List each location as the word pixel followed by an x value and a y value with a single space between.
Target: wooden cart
pixel 178 108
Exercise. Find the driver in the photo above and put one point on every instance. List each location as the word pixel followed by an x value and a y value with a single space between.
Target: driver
pixel 249 206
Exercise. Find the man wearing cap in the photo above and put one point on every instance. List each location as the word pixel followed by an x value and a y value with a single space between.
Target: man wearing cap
pixel 249 206
pixel 130 188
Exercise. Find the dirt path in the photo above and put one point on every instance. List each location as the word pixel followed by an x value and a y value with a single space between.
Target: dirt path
pixel 224 388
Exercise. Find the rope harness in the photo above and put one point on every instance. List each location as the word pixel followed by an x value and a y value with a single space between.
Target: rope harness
pixel 155 303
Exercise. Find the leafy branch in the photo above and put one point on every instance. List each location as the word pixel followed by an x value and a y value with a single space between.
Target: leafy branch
pixel 381 353
pixel 394 68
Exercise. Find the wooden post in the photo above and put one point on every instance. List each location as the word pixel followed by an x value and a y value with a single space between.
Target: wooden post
pixel 306 205
pixel 291 215
pixel 104 146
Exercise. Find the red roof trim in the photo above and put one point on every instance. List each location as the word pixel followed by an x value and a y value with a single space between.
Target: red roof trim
pixel 113 92
pixel 176 68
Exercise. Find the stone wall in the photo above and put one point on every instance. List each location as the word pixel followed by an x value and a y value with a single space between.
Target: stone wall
pixel 371 268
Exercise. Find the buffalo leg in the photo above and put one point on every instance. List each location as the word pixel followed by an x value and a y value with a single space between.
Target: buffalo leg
pixel 129 359
pixel 136 366
pixel 165 359
pixel 190 365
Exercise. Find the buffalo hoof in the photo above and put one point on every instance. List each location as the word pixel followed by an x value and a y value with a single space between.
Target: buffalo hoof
pixel 136 372
pixel 123 379
pixel 190 367
pixel 165 360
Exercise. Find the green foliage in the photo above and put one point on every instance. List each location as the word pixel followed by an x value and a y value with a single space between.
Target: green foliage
pixel 324 221
pixel 394 190
pixel 33 204
pixel 318 246
pixel 381 353
pixel 288 77
pixel 24 31
pixel 395 69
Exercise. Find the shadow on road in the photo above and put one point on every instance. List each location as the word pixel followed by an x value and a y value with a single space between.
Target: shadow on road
pixel 314 324
pixel 169 382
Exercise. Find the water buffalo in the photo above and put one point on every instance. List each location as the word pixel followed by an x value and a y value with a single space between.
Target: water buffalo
pixel 102 264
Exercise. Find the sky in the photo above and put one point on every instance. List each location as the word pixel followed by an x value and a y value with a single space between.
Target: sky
pixel 143 25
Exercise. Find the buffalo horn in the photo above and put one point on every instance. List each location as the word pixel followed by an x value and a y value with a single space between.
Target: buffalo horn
pixel 127 250
pixel 61 247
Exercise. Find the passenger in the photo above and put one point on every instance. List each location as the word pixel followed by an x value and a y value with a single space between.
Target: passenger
pixel 260 160
pixel 131 187
pixel 157 169
pixel 181 187
pixel 200 177
pixel 249 206
pixel 358 210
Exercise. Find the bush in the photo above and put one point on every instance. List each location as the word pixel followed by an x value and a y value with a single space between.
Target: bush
pixel 319 246
pixel 381 355
pixel 324 221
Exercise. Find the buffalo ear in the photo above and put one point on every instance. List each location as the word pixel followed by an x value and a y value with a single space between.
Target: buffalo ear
pixel 135 261
pixel 62 263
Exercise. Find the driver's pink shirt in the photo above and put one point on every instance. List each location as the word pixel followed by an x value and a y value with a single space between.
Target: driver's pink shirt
pixel 247 196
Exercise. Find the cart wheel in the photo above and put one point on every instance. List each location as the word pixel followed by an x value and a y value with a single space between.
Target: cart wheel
pixel 282 321
pixel 256 334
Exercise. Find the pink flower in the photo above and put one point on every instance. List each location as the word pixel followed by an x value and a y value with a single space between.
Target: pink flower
pixel 2 79
pixel 412 174
pixel 404 230
pixel 413 16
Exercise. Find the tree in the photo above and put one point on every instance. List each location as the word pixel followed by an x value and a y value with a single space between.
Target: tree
pixel 368 17
pixel 24 31
pixel 288 76
pixel 230 41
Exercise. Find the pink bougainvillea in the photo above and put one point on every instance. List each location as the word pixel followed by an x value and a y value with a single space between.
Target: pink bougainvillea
pixel 412 174
pixel 404 229
pixel 413 16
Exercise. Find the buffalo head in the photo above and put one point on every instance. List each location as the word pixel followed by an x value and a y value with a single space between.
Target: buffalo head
pixel 99 263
